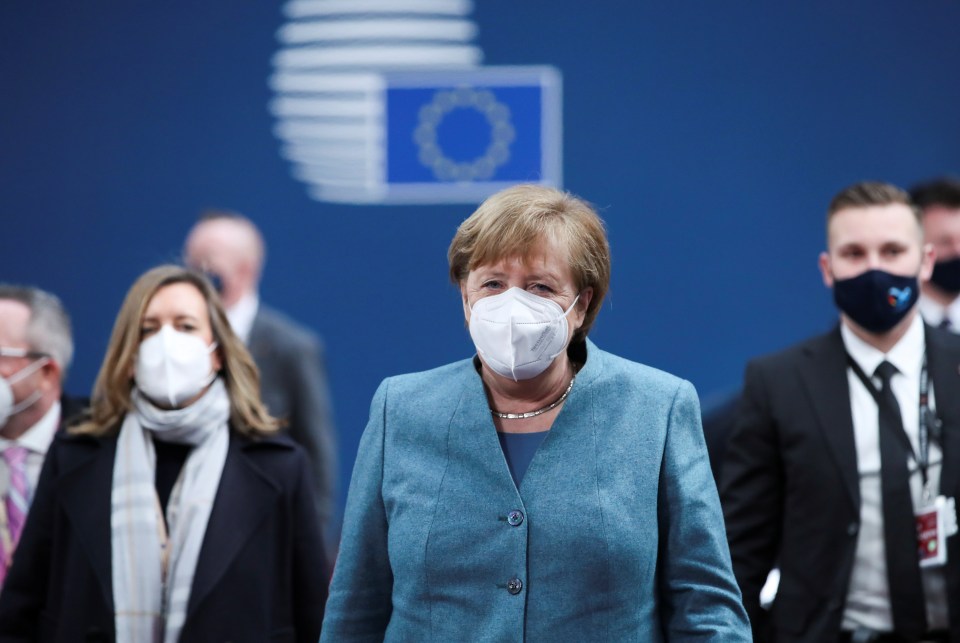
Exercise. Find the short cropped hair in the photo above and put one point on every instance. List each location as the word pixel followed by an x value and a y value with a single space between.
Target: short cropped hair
pixel 48 330
pixel 944 192
pixel 513 222
pixel 867 193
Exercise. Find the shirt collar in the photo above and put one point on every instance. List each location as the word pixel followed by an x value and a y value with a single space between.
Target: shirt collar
pixel 241 315
pixel 38 437
pixel 906 355
pixel 934 313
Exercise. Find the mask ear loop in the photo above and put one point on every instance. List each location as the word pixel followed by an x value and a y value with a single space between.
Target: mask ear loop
pixel 26 371
pixel 29 369
pixel 565 313
pixel 575 300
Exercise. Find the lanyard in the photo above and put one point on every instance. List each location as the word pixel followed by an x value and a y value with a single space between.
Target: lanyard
pixel 924 424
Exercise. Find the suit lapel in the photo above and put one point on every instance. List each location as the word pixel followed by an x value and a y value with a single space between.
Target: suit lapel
pixel 473 434
pixel 255 339
pixel 942 362
pixel 85 493
pixel 824 375
pixel 244 500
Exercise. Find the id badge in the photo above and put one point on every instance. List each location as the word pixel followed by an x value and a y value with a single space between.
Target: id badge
pixel 935 523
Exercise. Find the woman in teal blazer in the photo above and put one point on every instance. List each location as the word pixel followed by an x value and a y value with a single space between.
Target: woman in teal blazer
pixel 544 490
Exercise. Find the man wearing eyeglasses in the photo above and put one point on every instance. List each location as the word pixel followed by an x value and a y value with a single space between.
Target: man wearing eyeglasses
pixel 35 350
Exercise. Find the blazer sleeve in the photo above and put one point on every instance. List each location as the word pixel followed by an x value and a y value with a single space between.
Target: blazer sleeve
pixel 360 601
pixel 700 598
pixel 752 494
pixel 24 594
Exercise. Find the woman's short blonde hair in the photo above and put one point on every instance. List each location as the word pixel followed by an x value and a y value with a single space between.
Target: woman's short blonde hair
pixel 516 221
pixel 111 393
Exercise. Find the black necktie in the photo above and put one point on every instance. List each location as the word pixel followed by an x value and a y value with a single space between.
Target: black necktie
pixel 945 324
pixel 899 525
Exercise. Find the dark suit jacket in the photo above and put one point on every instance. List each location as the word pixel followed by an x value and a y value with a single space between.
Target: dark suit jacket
pixel 791 490
pixel 293 384
pixel 261 574
pixel 72 408
pixel 718 420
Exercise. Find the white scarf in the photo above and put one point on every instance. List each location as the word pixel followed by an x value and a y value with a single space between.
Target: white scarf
pixel 147 610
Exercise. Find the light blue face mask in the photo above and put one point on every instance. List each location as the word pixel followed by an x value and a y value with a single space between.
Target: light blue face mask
pixel 519 334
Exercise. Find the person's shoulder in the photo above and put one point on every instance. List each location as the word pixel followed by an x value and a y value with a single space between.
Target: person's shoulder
pixel 276 455
pixel 829 342
pixel 69 449
pixel 943 338
pixel 73 409
pixel 282 328
pixel 439 378
pixel 613 368
pixel 71 440
pixel 277 448
pixel 280 441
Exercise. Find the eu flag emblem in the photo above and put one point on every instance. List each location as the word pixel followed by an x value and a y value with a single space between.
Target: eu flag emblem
pixel 459 136
pixel 454 135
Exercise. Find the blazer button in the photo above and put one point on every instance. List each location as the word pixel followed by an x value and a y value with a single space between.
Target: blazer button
pixel 514 518
pixel 852 529
pixel 514 586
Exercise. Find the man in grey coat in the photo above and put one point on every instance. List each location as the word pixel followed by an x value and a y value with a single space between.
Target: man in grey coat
pixel 229 248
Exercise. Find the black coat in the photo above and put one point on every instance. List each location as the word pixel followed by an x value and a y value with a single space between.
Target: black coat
pixel 790 487
pixel 261 574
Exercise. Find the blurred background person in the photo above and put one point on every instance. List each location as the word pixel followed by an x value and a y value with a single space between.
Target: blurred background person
pixel 939 203
pixel 229 248
pixel 177 512
pixel 36 347
pixel 543 489
pixel 843 439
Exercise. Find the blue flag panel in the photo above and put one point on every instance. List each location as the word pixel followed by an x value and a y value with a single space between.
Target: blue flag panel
pixel 460 136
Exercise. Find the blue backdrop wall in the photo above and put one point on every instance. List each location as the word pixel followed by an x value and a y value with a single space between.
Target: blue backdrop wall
pixel 710 135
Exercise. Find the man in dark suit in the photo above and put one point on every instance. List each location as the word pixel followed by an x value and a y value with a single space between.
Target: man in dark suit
pixel 293 378
pixel 36 347
pixel 939 202
pixel 842 440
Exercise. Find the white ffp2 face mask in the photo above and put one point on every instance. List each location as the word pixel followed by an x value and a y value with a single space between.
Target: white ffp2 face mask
pixel 519 334
pixel 7 405
pixel 173 366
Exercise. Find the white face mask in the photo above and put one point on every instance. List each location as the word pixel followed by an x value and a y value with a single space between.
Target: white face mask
pixel 7 406
pixel 173 366
pixel 519 334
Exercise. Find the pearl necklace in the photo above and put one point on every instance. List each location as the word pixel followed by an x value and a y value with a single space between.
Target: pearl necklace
pixel 532 414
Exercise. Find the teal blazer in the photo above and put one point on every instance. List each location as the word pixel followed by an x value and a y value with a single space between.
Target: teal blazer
pixel 615 533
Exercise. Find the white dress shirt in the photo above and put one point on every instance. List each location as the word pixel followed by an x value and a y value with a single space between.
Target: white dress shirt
pixel 36 440
pixel 868 597
pixel 934 313
pixel 242 314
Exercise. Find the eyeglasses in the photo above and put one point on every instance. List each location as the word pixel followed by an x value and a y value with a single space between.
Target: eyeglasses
pixel 6 351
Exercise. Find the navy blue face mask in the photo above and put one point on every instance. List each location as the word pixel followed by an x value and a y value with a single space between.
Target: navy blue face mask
pixel 946 275
pixel 215 280
pixel 876 300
